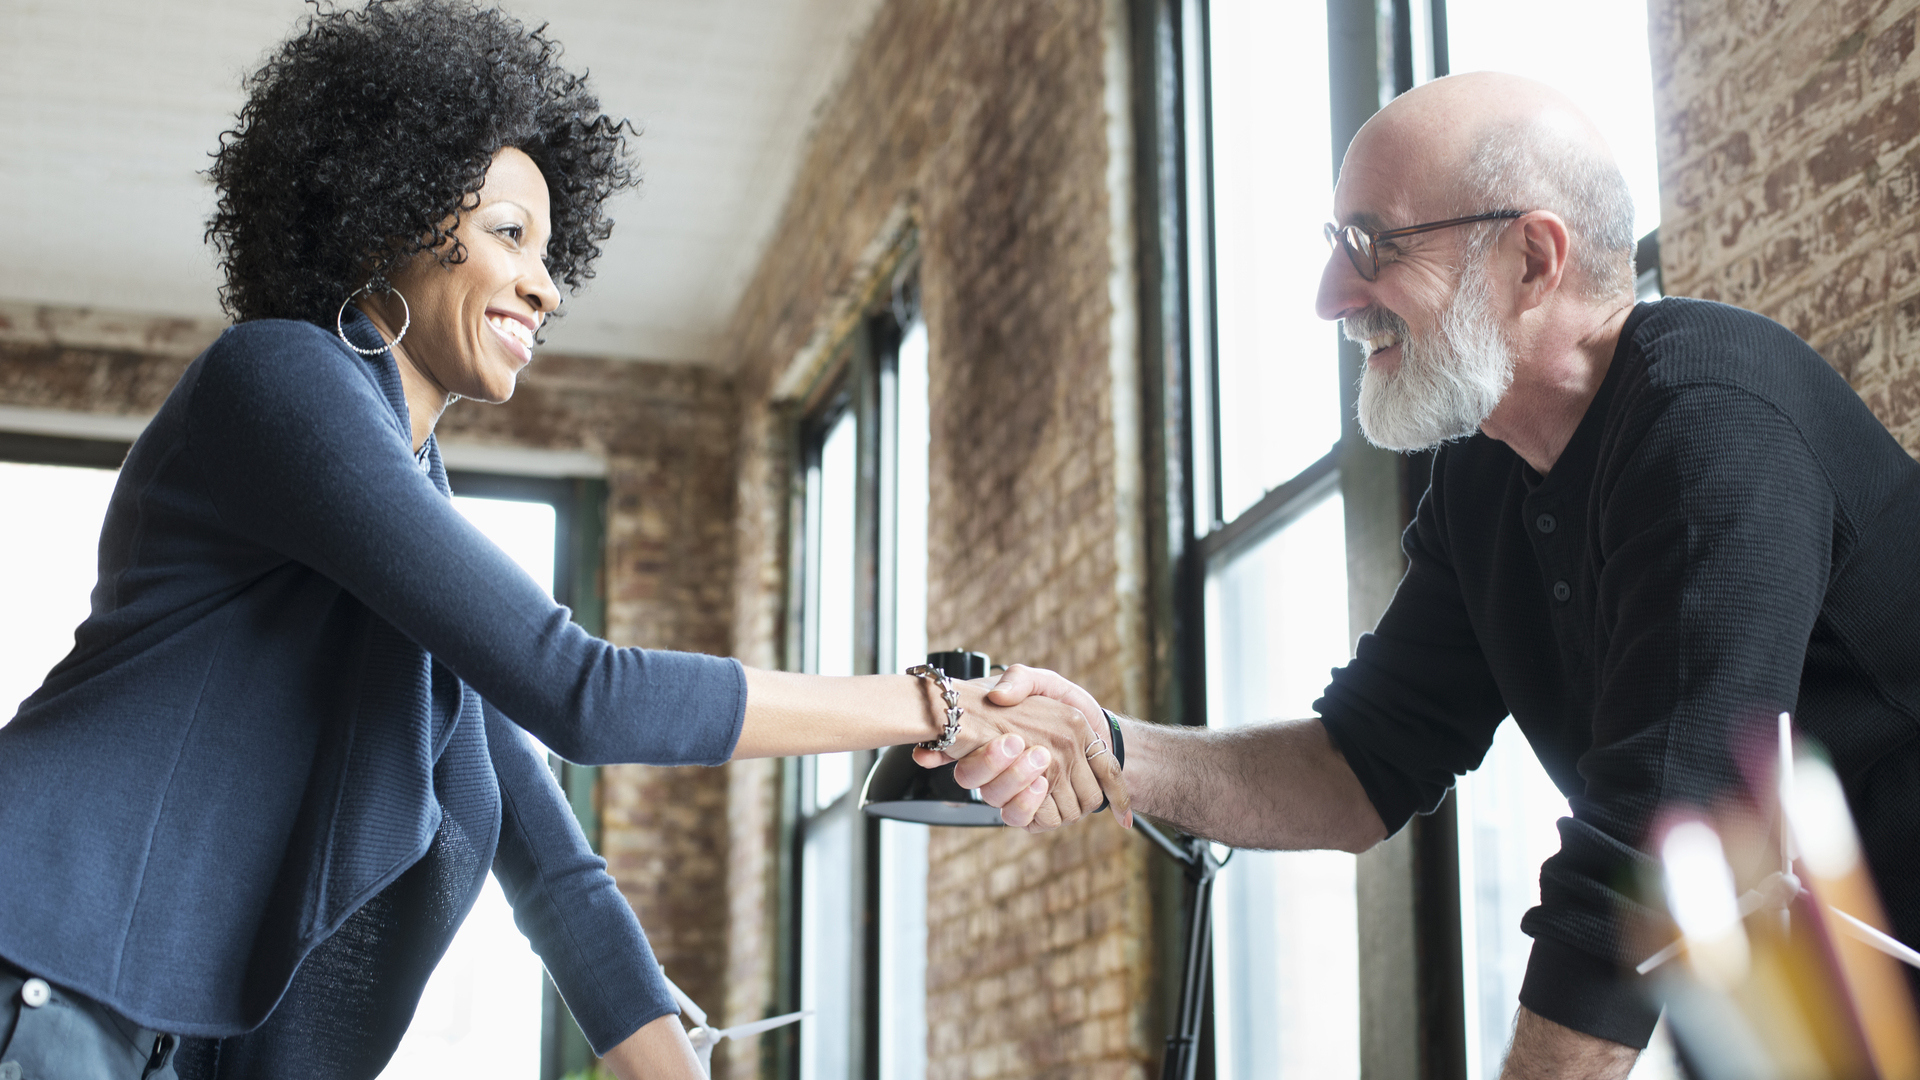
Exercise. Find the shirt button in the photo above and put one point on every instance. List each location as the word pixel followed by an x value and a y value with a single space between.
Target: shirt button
pixel 1561 591
pixel 34 993
pixel 1545 523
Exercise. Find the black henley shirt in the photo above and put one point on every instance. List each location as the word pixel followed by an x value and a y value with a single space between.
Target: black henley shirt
pixel 1730 534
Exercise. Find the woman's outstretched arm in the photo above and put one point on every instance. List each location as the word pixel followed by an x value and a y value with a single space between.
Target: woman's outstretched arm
pixel 660 1050
pixel 1036 748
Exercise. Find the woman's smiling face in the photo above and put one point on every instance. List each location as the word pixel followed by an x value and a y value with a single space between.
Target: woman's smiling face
pixel 474 321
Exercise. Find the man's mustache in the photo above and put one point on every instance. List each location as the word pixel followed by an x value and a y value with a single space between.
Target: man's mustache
pixel 1363 326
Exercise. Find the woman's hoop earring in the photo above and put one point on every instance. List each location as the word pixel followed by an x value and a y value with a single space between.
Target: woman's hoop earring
pixel 340 315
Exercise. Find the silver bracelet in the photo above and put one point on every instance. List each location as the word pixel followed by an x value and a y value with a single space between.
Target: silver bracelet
pixel 948 694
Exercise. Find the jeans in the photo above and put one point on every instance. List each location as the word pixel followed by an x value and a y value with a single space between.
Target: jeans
pixel 47 1033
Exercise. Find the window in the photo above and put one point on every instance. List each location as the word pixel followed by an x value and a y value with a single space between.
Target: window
pixel 489 1010
pixel 1286 955
pixel 1276 404
pixel 830 920
pixel 480 1015
pixel 1508 807
pixel 50 559
pixel 1269 513
pixel 860 598
pixel 903 845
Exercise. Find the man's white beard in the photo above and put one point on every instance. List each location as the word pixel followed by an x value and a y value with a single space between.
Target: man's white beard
pixel 1447 382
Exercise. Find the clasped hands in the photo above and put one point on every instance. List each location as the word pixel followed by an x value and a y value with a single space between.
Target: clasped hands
pixel 1024 744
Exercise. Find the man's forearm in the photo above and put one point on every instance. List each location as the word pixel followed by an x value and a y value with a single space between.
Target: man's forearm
pixel 1544 1050
pixel 1281 786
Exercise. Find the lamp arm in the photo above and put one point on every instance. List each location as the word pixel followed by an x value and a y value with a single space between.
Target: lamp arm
pixel 1195 857
pixel 1174 851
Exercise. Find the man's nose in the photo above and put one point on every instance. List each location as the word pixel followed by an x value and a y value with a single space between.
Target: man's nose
pixel 1342 290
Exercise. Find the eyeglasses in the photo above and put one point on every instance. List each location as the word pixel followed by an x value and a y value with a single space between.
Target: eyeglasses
pixel 1362 244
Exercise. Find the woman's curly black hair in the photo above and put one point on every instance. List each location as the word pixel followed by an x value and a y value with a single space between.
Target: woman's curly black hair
pixel 367 133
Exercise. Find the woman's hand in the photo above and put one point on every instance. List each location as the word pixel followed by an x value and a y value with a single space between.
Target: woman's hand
pixel 658 1051
pixel 1024 745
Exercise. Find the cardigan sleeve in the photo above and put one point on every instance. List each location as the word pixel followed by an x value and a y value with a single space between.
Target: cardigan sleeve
pixel 566 903
pixel 300 452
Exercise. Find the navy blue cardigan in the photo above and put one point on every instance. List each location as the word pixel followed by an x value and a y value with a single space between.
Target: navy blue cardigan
pixel 239 751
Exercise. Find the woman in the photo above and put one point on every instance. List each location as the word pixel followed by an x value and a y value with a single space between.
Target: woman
pixel 241 821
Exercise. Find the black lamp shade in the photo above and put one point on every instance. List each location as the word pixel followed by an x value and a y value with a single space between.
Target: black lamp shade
pixel 900 789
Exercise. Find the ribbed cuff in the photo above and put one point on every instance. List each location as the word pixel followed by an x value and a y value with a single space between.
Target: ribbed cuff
pixel 1590 995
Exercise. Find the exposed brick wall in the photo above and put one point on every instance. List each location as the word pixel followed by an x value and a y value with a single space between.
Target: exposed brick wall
pixel 1789 136
pixel 667 434
pixel 988 123
pixel 107 382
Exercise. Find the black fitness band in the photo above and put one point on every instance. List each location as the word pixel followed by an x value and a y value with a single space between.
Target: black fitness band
pixel 1119 747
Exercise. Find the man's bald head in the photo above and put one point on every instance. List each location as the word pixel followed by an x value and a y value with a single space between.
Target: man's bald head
pixel 1468 144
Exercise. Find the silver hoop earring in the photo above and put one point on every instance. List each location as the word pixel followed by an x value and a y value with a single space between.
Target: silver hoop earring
pixel 340 315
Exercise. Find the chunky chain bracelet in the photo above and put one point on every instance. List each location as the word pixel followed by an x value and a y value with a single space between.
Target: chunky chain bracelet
pixel 948 694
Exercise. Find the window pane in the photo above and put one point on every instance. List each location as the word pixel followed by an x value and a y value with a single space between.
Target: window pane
pixel 49 559
pixel 1286 943
pixel 1609 76
pixel 903 949
pixel 479 1015
pixel 833 626
pixel 1279 389
pixel 903 846
pixel 524 530
pixel 1508 810
pixel 910 556
pixel 826 942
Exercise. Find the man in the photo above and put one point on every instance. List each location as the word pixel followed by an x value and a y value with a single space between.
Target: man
pixel 1649 530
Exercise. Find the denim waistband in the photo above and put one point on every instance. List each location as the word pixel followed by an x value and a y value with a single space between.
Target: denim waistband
pixel 46 1031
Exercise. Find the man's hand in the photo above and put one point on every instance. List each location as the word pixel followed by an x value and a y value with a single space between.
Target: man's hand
pixel 1544 1050
pixel 1013 781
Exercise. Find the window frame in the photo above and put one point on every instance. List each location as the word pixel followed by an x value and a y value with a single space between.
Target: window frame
pixel 860 379
pixel 579 583
pixel 1411 970
pixel 1413 977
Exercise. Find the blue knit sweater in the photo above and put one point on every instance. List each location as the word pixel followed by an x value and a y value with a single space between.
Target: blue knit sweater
pixel 240 751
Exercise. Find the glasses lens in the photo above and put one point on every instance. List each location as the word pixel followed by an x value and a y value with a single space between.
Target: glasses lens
pixel 1359 250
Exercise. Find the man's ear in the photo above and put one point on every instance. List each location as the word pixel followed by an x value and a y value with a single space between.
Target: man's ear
pixel 1546 246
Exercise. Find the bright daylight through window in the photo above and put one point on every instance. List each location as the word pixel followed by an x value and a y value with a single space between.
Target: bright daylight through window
pixel 1278 386
pixel 1286 945
pixel 479 1016
pixel 1508 807
pixel 903 845
pixel 1286 959
pixel 50 550
pixel 862 939
pixel 826 880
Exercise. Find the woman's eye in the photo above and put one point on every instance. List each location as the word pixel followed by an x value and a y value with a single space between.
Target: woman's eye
pixel 511 232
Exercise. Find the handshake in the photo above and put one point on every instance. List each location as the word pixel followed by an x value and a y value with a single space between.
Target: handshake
pixel 1037 747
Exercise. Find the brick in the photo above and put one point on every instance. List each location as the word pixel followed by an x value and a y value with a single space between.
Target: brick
pixel 1812 220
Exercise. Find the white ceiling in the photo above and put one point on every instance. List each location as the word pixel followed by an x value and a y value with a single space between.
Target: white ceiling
pixel 109 107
